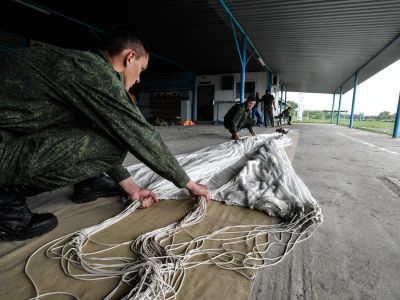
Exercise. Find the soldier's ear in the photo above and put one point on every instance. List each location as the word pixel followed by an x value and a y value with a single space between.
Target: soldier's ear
pixel 129 57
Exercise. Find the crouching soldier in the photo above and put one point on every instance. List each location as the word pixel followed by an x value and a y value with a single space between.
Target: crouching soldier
pixel 66 117
pixel 239 117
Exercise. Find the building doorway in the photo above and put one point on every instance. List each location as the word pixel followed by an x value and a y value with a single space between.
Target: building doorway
pixel 205 103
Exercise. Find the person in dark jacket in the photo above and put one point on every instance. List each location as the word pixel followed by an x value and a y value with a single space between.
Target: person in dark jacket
pixel 239 117
pixel 269 107
pixel 66 117
pixel 285 114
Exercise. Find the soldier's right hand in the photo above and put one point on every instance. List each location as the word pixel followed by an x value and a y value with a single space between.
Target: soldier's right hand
pixel 199 190
pixel 135 192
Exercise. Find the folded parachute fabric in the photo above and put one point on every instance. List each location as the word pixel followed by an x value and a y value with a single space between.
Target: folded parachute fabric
pixel 253 172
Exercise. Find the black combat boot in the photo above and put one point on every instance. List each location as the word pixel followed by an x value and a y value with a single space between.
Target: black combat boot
pixel 95 187
pixel 17 222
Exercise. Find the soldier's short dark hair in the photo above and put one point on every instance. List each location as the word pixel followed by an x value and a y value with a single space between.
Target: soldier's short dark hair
pixel 121 37
pixel 250 98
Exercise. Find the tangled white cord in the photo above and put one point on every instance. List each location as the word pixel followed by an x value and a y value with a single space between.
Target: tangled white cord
pixel 158 271
pixel 158 267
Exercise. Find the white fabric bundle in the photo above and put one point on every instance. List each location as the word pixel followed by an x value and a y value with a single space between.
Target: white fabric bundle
pixel 251 172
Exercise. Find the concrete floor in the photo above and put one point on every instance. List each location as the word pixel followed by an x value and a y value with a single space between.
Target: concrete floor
pixel 355 177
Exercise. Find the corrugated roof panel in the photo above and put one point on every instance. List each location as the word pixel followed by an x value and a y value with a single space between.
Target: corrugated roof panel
pixel 315 45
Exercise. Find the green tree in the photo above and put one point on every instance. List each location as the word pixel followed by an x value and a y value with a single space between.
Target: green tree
pixel 292 104
pixel 385 115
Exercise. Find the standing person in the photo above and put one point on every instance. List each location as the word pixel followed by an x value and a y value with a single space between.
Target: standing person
pixel 269 107
pixel 66 116
pixel 254 110
pixel 239 117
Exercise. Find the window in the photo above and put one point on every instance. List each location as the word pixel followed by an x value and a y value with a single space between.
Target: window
pixel 249 89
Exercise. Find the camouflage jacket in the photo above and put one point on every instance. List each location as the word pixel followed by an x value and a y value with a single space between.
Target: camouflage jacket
pixel 237 117
pixel 49 87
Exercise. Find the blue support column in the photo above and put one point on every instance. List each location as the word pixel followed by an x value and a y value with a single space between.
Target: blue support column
pixel 354 99
pixel 396 129
pixel 285 96
pixel 340 104
pixel 269 80
pixel 243 74
pixel 333 107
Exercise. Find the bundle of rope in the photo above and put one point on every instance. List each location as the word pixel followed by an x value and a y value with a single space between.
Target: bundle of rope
pixel 158 271
pixel 158 266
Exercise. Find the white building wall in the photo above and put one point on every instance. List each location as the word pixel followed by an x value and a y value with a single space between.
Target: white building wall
pixel 225 99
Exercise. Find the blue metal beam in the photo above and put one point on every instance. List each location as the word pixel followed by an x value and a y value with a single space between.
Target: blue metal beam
pixel 340 104
pixel 353 103
pixel 333 107
pixel 234 20
pixel 33 4
pixel 372 58
pixel 236 39
pixel 250 56
pixel 170 61
pixel 396 129
pixel 243 74
pixel 285 96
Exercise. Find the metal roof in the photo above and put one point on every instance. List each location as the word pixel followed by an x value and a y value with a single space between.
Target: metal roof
pixel 313 45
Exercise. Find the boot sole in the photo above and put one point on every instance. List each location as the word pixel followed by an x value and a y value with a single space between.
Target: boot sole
pixel 29 235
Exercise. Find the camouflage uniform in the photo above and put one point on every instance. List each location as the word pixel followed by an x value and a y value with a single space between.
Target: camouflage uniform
pixel 238 117
pixel 65 116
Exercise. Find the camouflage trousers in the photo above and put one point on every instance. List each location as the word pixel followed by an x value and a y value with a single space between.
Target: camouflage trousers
pixel 246 124
pixel 56 157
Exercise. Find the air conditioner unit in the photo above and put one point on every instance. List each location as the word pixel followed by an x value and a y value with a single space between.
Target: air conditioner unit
pixel 275 80
pixel 227 82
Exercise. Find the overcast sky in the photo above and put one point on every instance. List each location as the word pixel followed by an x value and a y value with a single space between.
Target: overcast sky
pixel 377 94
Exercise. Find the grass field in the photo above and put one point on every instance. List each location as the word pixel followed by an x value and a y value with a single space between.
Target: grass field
pixel 385 127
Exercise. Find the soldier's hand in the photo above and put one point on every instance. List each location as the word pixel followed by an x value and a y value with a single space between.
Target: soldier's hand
pixel 146 197
pixel 199 190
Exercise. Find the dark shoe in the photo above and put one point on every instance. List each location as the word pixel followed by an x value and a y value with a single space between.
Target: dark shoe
pixel 17 222
pixel 282 130
pixel 289 123
pixel 96 187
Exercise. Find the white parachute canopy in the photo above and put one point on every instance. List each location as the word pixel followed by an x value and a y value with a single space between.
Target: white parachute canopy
pixel 251 172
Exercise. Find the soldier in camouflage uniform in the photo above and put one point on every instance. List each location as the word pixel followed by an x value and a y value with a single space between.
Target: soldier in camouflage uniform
pixel 66 116
pixel 239 117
